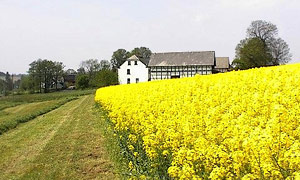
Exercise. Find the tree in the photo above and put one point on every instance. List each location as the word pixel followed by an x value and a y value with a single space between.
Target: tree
pixel 267 33
pixel 8 82
pixel 251 53
pixel 118 58
pixel 27 83
pixel 280 51
pixel 81 70
pixel 58 69
pixel 104 64
pixel 105 77
pixel 70 71
pixel 142 53
pixel 90 66
pixel 263 30
pixel 2 86
pixel 261 42
pixel 82 81
pixel 45 73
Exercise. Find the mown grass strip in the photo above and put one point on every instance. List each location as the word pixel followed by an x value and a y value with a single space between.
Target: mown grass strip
pixel 15 100
pixel 28 98
pixel 11 123
pixel 66 143
pixel 8 104
pixel 112 143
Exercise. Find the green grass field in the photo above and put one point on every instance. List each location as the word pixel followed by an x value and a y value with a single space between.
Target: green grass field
pixel 66 143
pixel 11 117
pixel 14 100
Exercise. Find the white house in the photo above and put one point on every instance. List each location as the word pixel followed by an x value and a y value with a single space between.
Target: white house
pixel 133 70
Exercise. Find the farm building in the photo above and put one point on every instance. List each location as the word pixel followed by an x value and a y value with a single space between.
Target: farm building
pixel 133 70
pixel 171 65
pixel 180 64
pixel 222 64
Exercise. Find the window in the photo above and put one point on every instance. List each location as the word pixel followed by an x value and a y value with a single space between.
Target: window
pixel 128 80
pixel 129 63
pixel 135 62
pixel 137 80
pixel 128 70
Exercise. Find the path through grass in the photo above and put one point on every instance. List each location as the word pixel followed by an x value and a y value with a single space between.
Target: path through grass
pixel 63 144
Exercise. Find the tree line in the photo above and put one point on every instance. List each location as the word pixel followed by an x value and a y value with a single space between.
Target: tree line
pixel 46 75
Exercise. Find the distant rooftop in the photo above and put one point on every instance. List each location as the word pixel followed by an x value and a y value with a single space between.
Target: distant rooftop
pixel 182 58
pixel 133 57
pixel 222 62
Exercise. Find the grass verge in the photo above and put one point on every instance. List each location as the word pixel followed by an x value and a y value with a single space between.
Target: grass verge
pixel 112 143
pixel 14 100
pixel 9 122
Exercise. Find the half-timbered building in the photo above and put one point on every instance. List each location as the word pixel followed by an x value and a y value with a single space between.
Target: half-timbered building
pixel 180 64
pixel 222 64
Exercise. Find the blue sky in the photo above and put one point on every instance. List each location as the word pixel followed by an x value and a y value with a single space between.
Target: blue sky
pixel 75 30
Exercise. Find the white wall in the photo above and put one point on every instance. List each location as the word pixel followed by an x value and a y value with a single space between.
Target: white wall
pixel 136 71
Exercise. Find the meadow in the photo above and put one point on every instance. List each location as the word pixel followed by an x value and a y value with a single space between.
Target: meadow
pixel 13 100
pixel 22 108
pixel 60 137
pixel 236 125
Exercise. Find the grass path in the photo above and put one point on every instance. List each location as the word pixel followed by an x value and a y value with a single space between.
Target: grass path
pixel 24 109
pixel 63 144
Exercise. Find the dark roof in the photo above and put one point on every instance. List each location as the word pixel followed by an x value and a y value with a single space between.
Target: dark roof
pixel 135 58
pixel 182 58
pixel 222 62
pixel 70 78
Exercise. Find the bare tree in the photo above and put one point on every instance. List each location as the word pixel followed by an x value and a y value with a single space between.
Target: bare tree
pixel 280 51
pixel 267 33
pixel 263 30
pixel 104 64
pixel 90 66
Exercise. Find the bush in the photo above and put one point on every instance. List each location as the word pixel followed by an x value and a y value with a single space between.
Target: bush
pixel 103 78
pixel 82 81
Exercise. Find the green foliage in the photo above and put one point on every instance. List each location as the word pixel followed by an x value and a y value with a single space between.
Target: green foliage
pixel 251 53
pixel 8 82
pixel 118 58
pixel 105 77
pixel 45 73
pixel 90 67
pixel 2 86
pixel 27 83
pixel 143 53
pixel 82 81
pixel 121 55
pixel 262 47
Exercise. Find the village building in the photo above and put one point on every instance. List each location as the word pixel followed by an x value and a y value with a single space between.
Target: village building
pixel 171 65
pixel 222 64
pixel 133 70
pixel 180 64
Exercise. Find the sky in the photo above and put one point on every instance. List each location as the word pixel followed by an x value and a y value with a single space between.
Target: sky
pixel 71 31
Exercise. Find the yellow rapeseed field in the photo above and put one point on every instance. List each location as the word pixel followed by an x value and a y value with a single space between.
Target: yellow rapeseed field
pixel 237 125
